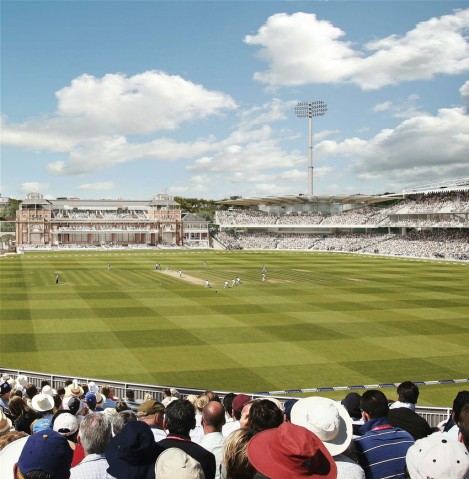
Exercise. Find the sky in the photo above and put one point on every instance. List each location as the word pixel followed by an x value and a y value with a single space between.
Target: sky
pixel 129 99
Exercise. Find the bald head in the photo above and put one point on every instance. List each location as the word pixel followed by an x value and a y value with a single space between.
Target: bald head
pixel 213 417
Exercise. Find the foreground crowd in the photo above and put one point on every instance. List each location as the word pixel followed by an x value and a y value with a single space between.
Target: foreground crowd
pixel 84 432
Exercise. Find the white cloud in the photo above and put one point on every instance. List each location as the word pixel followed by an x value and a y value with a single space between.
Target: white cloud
pixel 300 49
pixel 431 147
pixel 97 186
pixel 403 109
pixel 33 187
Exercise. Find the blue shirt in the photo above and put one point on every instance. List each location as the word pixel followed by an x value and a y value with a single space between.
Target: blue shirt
pixel 382 449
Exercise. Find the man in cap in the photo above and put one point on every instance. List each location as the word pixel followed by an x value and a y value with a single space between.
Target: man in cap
pixel 381 448
pixel 152 413
pixel 90 399
pixel 47 452
pixel 94 435
pixel 5 391
pixel 179 420
pixel 331 422
pixel 238 403
pixel 290 451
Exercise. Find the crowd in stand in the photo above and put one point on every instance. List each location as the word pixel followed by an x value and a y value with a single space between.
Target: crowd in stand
pixel 422 244
pixel 82 431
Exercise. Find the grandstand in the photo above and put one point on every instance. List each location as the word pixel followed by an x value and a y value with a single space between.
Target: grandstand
pixel 426 222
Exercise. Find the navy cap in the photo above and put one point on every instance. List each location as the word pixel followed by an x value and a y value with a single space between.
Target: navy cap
pixel 46 451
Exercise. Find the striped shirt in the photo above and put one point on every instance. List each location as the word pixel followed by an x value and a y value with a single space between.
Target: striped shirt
pixel 382 449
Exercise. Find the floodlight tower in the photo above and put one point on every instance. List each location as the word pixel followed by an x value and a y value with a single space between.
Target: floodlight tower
pixel 309 109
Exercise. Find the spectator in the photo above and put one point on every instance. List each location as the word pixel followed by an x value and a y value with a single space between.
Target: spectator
pixel 351 402
pixel 408 394
pixel 244 419
pixel 290 451
pixel 437 457
pixel 179 420
pixel 44 405
pixel 237 406
pixel 175 463
pixel 213 419
pixel 381 448
pixel 5 423
pixel 31 391
pixel 132 453
pixel 287 407
pixel 167 398
pixel 121 406
pixel 197 433
pixel 22 415
pixel 48 453
pixel 90 399
pixel 264 414
pixel 331 422
pixel 235 461
pixel 5 391
pixel 464 426
pixel 109 399
pixel 74 390
pixel 451 427
pixel 130 400
pixel 121 419
pixel 94 435
pixel 67 424
pixel 228 405
pixel 152 413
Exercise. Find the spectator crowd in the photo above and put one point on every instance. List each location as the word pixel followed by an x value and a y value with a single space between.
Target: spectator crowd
pixel 82 431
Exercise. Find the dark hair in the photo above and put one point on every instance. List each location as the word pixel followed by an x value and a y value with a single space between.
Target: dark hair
pixel 167 392
pixel 180 417
pixel 461 399
pixel 31 390
pixel 264 414
pixel 121 406
pixel 374 403
pixel 408 392
pixel 18 408
pixel 45 382
pixel 129 394
pixel 463 424
pixel 228 402
pixel 37 475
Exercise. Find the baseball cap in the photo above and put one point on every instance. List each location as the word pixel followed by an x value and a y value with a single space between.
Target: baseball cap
pixel 90 399
pixel 437 456
pixel 66 424
pixel 239 401
pixel 150 407
pixel 5 388
pixel 46 451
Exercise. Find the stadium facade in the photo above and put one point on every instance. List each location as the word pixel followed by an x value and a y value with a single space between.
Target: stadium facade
pixel 73 222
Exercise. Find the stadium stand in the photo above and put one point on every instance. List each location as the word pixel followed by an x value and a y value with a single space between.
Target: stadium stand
pixel 67 408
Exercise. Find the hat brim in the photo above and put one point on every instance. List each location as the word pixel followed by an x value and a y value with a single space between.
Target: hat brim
pixel 48 403
pixel 300 412
pixel 259 454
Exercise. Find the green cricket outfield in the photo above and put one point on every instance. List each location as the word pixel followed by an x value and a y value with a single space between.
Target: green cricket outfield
pixel 320 319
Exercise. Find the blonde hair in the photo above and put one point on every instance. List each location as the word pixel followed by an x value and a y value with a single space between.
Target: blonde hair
pixel 235 456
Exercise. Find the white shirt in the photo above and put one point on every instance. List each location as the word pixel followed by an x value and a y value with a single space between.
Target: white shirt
pixel 213 442
pixel 229 427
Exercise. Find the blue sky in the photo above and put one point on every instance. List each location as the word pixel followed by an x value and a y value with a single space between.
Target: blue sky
pixel 106 99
